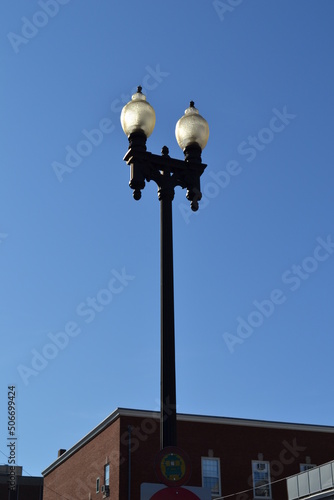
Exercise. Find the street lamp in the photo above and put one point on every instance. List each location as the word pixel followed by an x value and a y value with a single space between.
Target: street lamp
pixel 192 133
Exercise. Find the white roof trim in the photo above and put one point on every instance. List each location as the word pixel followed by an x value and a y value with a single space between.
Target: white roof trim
pixel 127 412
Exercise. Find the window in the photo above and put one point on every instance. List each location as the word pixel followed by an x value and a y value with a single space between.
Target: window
pixel 304 467
pixel 106 475
pixel 97 485
pixel 261 479
pixel 211 475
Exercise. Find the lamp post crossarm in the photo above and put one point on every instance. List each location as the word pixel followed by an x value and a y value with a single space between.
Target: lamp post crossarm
pixel 166 172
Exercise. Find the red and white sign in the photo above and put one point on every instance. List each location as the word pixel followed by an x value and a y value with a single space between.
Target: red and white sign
pixel 178 493
pixel 150 491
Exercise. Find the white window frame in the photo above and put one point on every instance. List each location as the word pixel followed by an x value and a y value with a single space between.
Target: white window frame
pixel 107 478
pixel 255 468
pixel 98 485
pixel 217 460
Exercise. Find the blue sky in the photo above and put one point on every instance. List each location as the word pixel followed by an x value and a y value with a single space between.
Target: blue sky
pixel 253 267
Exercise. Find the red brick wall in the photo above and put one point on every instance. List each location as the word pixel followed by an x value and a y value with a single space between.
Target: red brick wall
pixel 235 445
pixel 76 477
pixel 145 444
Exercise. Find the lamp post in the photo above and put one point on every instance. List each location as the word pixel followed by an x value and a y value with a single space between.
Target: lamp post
pixel 192 133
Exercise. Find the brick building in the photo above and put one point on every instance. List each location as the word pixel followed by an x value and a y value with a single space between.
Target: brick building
pixel 237 459
pixel 26 487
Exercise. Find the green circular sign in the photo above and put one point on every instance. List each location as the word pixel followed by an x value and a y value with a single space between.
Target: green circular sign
pixel 172 466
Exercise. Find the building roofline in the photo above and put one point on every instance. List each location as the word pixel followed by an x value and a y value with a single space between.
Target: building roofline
pixel 128 412
pixel 88 437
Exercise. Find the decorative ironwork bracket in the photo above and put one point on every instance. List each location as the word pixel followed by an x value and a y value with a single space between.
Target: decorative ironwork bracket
pixel 165 171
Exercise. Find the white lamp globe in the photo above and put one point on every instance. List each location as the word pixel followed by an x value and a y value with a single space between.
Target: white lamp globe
pixel 192 129
pixel 138 116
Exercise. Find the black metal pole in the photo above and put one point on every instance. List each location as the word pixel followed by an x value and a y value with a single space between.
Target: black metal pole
pixel 168 385
pixel 129 464
pixel 167 173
